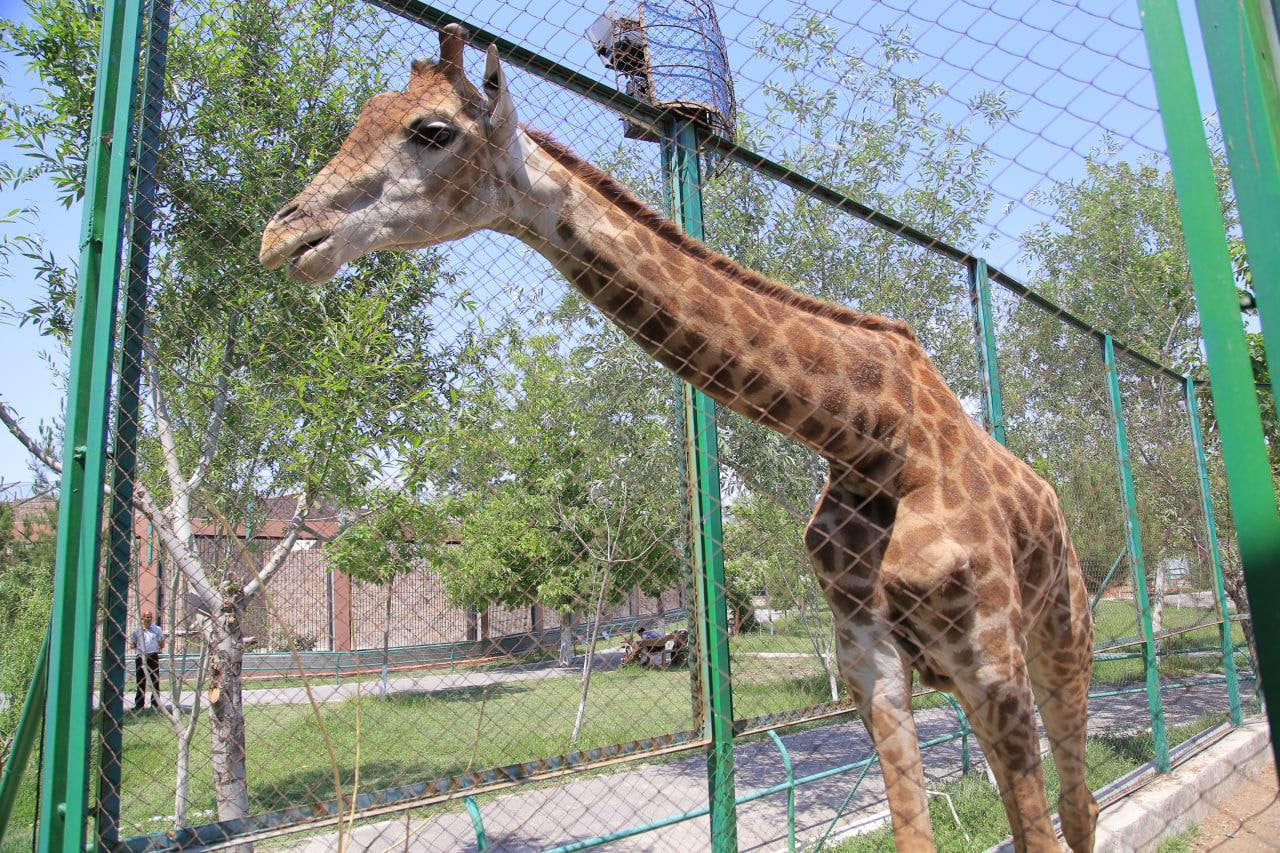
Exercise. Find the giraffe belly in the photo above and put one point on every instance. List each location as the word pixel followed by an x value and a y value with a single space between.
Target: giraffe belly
pixel 932 673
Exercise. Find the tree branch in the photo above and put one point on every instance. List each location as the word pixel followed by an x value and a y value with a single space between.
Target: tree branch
pixel 282 550
pixel 176 547
pixel 32 446
pixel 209 443
pixel 179 510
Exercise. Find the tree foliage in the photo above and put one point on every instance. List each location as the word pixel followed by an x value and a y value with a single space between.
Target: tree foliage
pixel 26 589
pixel 529 462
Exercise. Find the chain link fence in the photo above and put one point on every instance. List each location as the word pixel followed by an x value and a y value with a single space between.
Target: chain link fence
pixel 419 550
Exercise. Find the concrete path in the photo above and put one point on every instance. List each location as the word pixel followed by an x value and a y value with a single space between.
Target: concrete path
pixel 586 806
pixel 323 691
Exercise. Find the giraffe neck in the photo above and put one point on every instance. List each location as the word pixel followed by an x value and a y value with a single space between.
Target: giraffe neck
pixel 831 377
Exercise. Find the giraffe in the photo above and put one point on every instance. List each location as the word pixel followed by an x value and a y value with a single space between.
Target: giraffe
pixel 937 549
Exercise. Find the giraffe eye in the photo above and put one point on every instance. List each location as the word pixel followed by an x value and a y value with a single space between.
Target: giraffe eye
pixel 431 134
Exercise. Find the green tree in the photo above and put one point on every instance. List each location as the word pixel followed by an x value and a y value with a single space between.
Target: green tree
pixel 1115 254
pixel 530 462
pixel 27 538
pixel 256 386
pixel 402 535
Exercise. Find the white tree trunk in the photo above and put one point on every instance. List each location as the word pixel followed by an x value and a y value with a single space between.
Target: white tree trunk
pixel 1157 599
pixel 184 732
pixel 566 638
pixel 587 663
pixel 182 776
pixel 386 643
pixel 226 712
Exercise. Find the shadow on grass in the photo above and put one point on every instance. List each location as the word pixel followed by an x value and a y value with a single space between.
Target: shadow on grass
pixel 316 784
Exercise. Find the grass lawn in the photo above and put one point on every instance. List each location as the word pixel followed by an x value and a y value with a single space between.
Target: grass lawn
pixel 982 814
pixel 1114 621
pixel 372 678
pixel 414 737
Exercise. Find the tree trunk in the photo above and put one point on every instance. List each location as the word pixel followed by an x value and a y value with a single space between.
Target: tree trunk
pixel 587 663
pixel 1233 581
pixel 182 772
pixel 1157 599
pixel 184 732
pixel 566 638
pixel 386 643
pixel 226 712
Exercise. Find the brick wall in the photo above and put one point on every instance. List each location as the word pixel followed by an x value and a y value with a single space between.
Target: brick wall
pixel 325 611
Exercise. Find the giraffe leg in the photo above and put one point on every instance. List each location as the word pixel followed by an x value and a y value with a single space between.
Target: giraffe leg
pixel 1062 692
pixel 846 540
pixel 879 680
pixel 1061 662
pixel 998 701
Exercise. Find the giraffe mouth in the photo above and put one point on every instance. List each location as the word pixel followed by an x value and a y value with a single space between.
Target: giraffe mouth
pixel 311 261
pixel 308 245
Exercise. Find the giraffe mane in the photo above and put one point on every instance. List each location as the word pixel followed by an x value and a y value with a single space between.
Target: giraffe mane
pixel 638 211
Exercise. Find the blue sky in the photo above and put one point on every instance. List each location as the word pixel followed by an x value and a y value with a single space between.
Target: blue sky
pixel 1072 70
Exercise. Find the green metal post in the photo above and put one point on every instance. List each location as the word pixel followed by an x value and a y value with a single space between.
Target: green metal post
pixel 1239 42
pixel 680 165
pixel 64 793
pixel 120 528
pixel 984 335
pixel 1133 545
pixel 1215 556
pixel 1244 452
pixel 24 737
pixel 679 423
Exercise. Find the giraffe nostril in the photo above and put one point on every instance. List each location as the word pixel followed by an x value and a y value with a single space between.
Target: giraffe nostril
pixel 286 212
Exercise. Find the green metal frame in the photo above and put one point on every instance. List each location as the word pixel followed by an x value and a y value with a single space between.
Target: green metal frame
pixel 1133 546
pixel 1238 43
pixel 683 177
pixel 125 434
pixel 984 335
pixel 1215 555
pixel 1244 451
pixel 64 791
pixel 65 767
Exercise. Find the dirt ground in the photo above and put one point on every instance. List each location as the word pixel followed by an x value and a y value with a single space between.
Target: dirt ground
pixel 1248 818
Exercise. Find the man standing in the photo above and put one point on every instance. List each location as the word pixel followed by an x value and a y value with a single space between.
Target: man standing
pixel 148 642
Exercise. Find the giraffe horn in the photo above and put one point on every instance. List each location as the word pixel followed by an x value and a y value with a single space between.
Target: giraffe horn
pixel 452 38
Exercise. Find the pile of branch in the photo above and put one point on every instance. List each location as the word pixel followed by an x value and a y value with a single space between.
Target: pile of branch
pixel 656 651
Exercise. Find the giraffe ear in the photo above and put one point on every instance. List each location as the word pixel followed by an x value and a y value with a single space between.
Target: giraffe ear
pixel 501 109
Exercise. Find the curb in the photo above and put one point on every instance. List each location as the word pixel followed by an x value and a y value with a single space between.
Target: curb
pixel 1173 802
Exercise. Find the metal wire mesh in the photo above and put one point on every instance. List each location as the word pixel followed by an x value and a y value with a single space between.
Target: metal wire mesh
pixel 434 548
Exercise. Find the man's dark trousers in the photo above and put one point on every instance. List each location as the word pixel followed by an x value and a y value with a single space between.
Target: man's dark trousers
pixel 146 667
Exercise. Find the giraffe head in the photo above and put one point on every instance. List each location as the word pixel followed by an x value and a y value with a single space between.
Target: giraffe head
pixel 419 167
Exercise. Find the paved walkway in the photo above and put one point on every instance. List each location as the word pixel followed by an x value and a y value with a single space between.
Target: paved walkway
pixel 541 817
pixel 437 682
pixel 421 684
